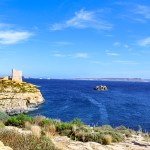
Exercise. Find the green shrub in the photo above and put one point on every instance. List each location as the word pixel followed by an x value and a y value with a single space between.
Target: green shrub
pixel 63 126
pixel 74 129
pixel 108 130
pixel 77 122
pixel 48 122
pixel 66 132
pixel 116 137
pixel 18 120
pixel 124 130
pixel 44 121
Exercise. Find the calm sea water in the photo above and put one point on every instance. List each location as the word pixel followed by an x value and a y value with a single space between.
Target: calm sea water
pixel 125 103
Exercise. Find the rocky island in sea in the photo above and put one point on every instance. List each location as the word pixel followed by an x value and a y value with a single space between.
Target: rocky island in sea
pixel 17 96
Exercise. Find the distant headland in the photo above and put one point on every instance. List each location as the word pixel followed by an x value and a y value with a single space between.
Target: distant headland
pixel 116 79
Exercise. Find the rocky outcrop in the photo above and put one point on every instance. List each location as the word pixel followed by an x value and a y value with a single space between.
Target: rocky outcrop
pixel 101 87
pixel 18 97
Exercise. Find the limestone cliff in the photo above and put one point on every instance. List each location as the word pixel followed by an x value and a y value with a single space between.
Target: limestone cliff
pixel 18 97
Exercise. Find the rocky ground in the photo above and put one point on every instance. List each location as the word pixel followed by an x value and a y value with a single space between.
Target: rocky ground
pixel 133 143
pixel 2 147
pixel 136 142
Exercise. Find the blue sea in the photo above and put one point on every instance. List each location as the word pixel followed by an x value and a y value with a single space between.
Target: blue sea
pixel 125 103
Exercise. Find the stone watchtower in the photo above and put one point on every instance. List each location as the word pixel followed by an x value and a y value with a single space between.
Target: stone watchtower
pixel 16 75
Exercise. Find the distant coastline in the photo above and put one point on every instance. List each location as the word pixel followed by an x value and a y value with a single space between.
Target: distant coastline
pixel 96 79
pixel 116 79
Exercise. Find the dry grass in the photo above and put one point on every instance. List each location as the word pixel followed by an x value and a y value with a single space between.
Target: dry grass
pixel 49 130
pixel 2 124
pixel 19 141
pixel 17 87
pixel 38 119
pixel 107 139
pixel 36 130
pixel 27 125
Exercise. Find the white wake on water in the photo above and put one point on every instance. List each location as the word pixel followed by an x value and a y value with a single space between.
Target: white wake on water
pixel 101 109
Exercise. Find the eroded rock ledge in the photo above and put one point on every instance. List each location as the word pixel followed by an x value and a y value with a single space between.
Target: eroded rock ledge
pixel 18 97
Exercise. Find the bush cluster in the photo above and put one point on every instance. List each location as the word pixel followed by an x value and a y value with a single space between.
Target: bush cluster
pixel 75 129
pixel 18 120
pixel 19 141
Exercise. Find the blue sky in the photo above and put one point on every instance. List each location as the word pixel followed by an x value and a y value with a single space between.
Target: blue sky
pixel 70 38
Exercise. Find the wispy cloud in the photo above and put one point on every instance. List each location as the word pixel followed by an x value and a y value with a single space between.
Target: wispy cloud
pixel 74 55
pixel 12 37
pixel 108 52
pixel 144 42
pixel 59 55
pixel 116 44
pixel 109 35
pixel 143 10
pixel 126 45
pixel 5 26
pixel 112 54
pixel 100 63
pixel 83 19
pixel 61 43
pixel 126 62
pixel 81 55
pixel 135 12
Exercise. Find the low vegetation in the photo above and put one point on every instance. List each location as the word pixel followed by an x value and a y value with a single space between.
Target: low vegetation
pixel 18 141
pixel 17 87
pixel 43 129
pixel 18 120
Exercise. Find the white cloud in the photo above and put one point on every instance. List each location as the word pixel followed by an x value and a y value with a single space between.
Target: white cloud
pixel 108 52
pixel 59 55
pixel 116 44
pixel 100 63
pixel 139 20
pixel 112 54
pixel 126 46
pixel 81 55
pixel 144 42
pixel 12 36
pixel 126 62
pixel 143 10
pixel 75 55
pixel 83 19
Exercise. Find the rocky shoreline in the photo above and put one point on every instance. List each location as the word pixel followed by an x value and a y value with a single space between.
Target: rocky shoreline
pixel 16 97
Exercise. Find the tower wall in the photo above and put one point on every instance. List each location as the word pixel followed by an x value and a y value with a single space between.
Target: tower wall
pixel 16 75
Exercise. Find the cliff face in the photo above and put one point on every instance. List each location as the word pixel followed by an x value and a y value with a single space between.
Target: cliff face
pixel 18 97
